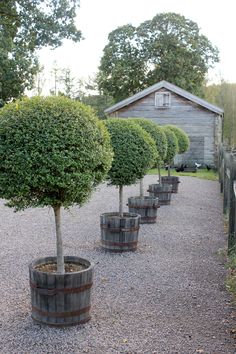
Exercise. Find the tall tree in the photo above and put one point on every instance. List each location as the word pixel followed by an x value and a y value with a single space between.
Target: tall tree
pixel 26 26
pixel 224 96
pixel 168 47
pixel 90 95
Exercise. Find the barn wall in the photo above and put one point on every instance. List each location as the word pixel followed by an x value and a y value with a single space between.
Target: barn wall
pixel 202 126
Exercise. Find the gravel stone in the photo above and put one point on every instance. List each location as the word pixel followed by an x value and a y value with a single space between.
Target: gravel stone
pixel 167 297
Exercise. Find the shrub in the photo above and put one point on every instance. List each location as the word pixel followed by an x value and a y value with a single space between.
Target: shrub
pixel 182 137
pixel 54 151
pixel 158 136
pixel 172 145
pixel 134 153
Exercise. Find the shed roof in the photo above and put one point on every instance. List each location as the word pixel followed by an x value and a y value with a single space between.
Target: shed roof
pixel 168 86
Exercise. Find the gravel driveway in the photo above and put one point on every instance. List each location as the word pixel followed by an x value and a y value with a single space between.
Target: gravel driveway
pixel 167 297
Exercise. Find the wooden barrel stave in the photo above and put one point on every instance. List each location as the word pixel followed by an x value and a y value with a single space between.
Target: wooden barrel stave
pixel 119 234
pixel 173 180
pixel 162 192
pixel 145 206
pixel 56 299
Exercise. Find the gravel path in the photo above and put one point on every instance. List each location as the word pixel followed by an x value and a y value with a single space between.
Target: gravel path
pixel 168 297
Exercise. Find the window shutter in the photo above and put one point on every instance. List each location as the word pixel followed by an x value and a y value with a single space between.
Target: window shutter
pixel 162 99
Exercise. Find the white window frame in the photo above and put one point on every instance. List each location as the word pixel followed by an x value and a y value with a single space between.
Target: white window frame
pixel 162 99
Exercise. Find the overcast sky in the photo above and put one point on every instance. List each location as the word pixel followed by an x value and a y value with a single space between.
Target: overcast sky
pixel 96 18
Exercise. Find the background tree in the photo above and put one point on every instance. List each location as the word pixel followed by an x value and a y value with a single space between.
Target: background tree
pixel 26 26
pixel 85 91
pixel 168 47
pixel 98 102
pixel 89 94
pixel 54 151
pixel 122 68
pixel 224 96
pixel 39 81
pixel 55 74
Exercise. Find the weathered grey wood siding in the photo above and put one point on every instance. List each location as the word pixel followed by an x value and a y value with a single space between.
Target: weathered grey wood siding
pixel 202 126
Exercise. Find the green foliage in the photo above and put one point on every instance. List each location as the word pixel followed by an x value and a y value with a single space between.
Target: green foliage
pixel 172 145
pixel 157 134
pixel 26 26
pixel 182 137
pixel 17 71
pixel 134 151
pixel 224 96
pixel 99 103
pixel 121 71
pixel 167 47
pixel 53 152
pixel 86 92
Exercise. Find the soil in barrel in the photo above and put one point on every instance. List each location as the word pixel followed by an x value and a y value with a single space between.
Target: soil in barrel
pixel 52 267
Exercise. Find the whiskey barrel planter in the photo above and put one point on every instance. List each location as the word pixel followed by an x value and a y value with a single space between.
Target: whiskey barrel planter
pixel 119 234
pixel 61 299
pixel 162 192
pixel 173 180
pixel 146 207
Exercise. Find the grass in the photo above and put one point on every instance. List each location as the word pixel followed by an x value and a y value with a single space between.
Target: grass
pixel 201 173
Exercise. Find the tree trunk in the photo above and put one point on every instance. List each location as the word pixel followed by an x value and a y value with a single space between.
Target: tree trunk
pixel 168 170
pixel 60 257
pixel 159 174
pixel 141 187
pixel 121 201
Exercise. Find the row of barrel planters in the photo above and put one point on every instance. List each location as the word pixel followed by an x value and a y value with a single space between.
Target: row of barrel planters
pixel 119 231
pixel 54 152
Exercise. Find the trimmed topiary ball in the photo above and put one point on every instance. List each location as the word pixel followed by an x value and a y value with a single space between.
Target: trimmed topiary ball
pixel 134 151
pixel 53 152
pixel 157 134
pixel 182 137
pixel 172 145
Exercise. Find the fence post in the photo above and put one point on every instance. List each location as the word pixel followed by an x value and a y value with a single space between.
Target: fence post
pixel 221 167
pixel 232 208
pixel 226 186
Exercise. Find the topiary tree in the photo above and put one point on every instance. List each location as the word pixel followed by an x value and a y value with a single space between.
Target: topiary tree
pixel 182 137
pixel 134 153
pixel 54 151
pixel 172 146
pixel 159 137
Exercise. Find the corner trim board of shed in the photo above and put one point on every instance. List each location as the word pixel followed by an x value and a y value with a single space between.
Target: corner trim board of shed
pixel 168 86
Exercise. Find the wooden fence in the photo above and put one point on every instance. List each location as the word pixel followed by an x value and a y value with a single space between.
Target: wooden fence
pixel 227 179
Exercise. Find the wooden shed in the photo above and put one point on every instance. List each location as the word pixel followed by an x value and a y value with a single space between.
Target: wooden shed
pixel 165 103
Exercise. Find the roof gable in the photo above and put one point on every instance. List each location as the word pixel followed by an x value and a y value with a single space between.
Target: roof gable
pixel 168 86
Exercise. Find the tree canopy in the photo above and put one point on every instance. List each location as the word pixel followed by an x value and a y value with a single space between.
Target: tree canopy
pixel 53 152
pixel 182 137
pixel 157 134
pixel 172 145
pixel 167 47
pixel 26 26
pixel 134 151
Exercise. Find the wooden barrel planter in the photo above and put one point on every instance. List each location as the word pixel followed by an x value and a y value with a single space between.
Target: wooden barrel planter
pixel 61 299
pixel 162 192
pixel 173 180
pixel 146 207
pixel 119 234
